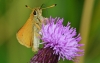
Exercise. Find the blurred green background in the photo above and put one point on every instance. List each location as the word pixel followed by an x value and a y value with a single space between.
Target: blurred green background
pixel 83 15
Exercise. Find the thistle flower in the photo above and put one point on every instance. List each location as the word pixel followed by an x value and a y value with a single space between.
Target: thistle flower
pixel 59 42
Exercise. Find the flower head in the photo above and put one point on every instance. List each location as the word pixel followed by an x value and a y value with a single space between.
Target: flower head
pixel 62 39
pixel 59 42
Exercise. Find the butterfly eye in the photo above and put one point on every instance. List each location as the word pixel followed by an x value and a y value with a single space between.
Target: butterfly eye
pixel 34 13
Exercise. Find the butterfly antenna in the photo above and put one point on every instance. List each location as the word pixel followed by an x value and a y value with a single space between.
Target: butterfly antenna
pixel 28 7
pixel 50 6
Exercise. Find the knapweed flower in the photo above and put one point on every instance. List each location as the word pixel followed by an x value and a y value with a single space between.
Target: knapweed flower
pixel 59 42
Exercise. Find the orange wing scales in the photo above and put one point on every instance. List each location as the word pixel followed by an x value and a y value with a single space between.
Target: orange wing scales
pixel 25 34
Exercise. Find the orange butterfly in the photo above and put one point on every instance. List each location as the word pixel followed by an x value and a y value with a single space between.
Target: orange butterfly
pixel 28 35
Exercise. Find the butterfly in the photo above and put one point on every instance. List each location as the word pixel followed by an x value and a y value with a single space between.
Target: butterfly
pixel 28 34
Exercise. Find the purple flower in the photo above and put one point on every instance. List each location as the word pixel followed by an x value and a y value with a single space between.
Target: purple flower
pixel 62 40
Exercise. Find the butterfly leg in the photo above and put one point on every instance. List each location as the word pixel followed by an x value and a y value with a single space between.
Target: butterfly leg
pixel 37 26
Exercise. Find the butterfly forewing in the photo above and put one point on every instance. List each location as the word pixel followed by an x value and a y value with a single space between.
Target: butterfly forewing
pixel 25 34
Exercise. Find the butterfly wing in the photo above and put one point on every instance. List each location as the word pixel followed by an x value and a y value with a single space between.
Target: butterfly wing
pixel 28 35
pixel 25 34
